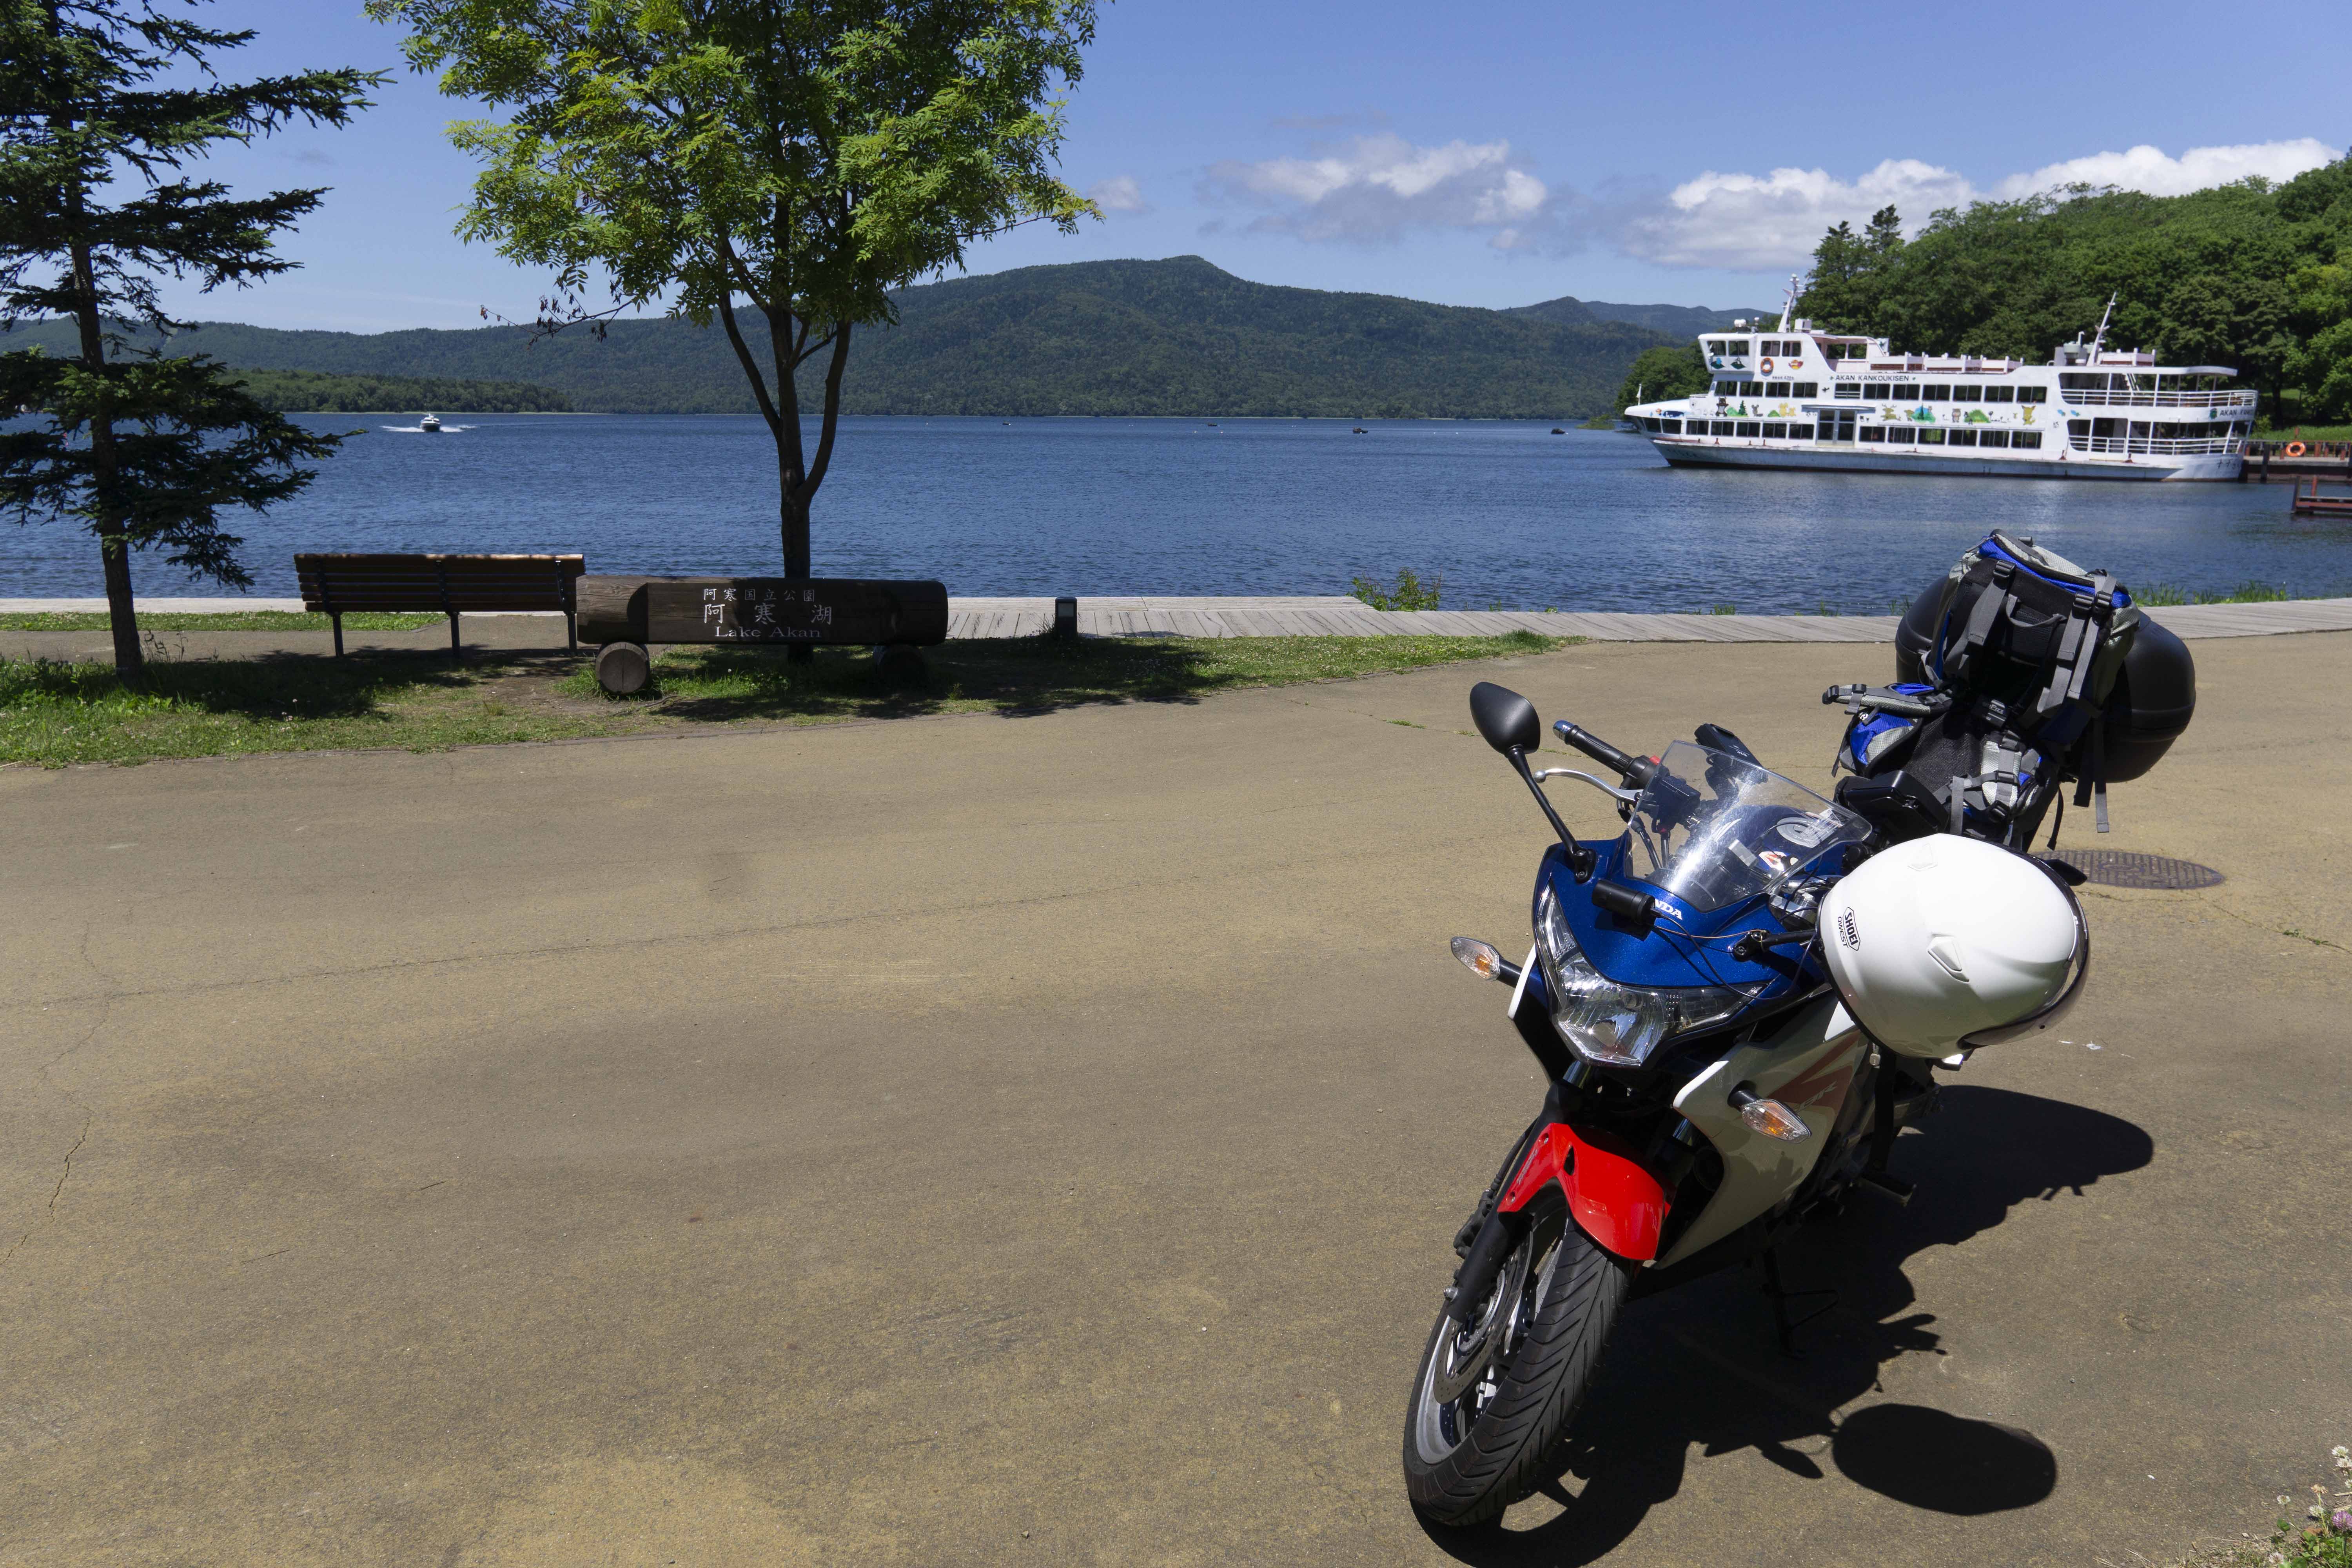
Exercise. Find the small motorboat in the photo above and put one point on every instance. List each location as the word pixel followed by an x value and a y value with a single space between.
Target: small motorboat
pixel 430 425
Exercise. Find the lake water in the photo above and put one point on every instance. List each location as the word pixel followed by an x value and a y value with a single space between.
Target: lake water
pixel 1508 513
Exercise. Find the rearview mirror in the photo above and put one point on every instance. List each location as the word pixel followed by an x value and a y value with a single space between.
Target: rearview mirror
pixel 1505 718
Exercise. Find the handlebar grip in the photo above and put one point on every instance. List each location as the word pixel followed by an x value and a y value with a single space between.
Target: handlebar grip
pixel 1634 770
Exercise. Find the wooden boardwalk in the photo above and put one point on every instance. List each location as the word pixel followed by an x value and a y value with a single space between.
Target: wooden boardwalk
pixel 1182 618
pixel 1169 617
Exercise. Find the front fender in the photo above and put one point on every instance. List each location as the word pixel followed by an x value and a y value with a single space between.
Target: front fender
pixel 1613 1197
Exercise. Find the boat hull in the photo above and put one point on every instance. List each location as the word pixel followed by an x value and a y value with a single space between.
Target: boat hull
pixel 1688 454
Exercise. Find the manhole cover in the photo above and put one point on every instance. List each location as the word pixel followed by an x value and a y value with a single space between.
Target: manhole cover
pixel 2123 868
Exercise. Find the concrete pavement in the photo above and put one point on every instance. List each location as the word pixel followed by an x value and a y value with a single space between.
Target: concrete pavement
pixel 981 1139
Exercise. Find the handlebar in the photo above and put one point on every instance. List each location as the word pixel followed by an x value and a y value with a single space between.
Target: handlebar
pixel 1636 771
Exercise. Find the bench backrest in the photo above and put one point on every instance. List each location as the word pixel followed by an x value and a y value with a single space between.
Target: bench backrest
pixel 477 584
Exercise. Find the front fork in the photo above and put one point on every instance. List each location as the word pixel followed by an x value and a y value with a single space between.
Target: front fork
pixel 1614 1196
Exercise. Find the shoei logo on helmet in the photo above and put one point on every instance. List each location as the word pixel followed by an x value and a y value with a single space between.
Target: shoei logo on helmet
pixel 1847 932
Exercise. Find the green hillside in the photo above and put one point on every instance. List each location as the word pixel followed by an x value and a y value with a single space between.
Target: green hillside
pixel 1674 320
pixel 313 391
pixel 1178 337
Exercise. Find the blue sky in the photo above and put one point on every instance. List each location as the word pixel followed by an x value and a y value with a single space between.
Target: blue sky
pixel 1481 155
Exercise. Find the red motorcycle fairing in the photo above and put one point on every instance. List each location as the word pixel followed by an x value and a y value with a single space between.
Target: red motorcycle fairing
pixel 1614 1198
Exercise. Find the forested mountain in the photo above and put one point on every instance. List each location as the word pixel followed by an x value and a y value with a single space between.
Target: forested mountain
pixel 1674 320
pixel 1178 337
pixel 310 391
pixel 2253 276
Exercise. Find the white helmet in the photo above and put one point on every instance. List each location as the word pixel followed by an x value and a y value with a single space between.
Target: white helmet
pixel 1948 942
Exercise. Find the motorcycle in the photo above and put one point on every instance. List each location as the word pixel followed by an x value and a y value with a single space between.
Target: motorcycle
pixel 1738 1003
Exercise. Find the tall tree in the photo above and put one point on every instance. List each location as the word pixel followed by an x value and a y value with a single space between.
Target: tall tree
pixel 1669 369
pixel 802 156
pixel 103 105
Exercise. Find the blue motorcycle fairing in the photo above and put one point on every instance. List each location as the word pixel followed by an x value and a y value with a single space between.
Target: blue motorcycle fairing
pixel 1697 953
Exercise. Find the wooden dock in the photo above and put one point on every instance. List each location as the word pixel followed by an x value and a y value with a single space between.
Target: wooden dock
pixel 2310 501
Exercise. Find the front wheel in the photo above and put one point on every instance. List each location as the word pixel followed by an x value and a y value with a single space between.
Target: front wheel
pixel 1495 1395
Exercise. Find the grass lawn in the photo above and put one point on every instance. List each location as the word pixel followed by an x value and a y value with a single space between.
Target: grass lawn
pixel 53 714
pixel 221 621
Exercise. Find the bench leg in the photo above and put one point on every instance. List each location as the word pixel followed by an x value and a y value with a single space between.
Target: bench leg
pixel 570 632
pixel 456 654
pixel 337 616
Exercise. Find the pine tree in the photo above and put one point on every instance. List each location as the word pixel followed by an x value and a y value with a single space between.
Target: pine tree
pixel 103 103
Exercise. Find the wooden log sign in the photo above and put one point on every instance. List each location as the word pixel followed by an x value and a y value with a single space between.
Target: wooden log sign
pixel 839 610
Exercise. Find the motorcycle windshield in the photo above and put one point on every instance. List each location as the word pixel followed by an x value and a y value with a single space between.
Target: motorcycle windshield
pixel 1714 829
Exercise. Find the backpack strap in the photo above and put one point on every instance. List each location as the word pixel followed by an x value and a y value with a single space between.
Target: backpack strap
pixel 2086 626
pixel 1992 607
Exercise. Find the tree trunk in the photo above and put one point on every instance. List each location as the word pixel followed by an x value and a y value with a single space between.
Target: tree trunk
pixel 106 515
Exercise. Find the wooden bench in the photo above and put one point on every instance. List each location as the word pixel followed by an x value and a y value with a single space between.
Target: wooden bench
pixel 484 585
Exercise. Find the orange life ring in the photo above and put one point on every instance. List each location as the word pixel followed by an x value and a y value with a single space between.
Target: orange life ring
pixel 1765 365
pixel 2294 449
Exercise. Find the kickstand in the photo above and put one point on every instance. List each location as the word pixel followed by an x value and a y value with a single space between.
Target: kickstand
pixel 1781 1295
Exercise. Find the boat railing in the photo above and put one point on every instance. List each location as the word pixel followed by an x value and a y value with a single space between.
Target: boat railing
pixel 2142 446
pixel 2233 398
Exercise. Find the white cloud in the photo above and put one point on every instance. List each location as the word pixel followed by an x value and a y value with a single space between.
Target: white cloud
pixel 1371 189
pixel 1750 221
pixel 2146 168
pixel 1119 194
pixel 1745 222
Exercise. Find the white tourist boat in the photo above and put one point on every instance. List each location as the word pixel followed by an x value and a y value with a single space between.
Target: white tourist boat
pixel 1793 396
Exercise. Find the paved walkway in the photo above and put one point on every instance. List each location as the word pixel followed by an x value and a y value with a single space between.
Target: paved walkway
pixel 985 1143
pixel 1169 615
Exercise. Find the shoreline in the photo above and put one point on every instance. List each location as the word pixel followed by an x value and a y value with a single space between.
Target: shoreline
pixel 1308 615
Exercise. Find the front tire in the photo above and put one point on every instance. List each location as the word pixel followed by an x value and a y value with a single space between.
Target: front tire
pixel 1491 1403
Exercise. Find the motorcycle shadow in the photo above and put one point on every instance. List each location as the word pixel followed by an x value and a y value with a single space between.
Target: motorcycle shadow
pixel 1702 1365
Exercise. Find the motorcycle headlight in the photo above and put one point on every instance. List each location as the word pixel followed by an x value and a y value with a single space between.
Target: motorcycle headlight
pixel 1616 1026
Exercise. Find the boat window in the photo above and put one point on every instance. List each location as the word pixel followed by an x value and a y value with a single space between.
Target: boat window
pixel 1726 389
pixel 1935 395
pixel 1751 389
pixel 1775 431
pixel 1776 389
pixel 1931 437
pixel 1872 433
pixel 1747 427
pixel 1673 426
pixel 1723 426
pixel 2026 438
pixel 1807 389
pixel 1899 436
pixel 2241 427
pixel 1739 345
pixel 2109 429
pixel 1875 391
pixel 2034 394
pixel 2143 382
pixel 2000 395
pixel 2168 384
pixel 1714 346
pixel 1848 389
pixel 2081 381
pixel 1992 438
pixel 1650 425
pixel 1967 395
pixel 2078 427
pixel 1960 437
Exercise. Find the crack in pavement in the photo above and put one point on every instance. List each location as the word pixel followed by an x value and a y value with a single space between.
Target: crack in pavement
pixel 50 1212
